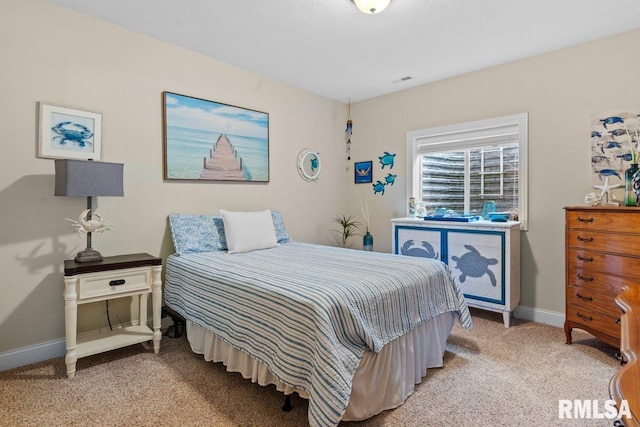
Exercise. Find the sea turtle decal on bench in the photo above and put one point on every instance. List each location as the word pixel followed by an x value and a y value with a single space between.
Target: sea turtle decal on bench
pixel 474 265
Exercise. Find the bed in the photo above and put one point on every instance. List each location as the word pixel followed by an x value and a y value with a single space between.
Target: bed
pixel 352 331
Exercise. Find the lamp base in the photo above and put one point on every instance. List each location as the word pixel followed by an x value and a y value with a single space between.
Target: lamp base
pixel 88 255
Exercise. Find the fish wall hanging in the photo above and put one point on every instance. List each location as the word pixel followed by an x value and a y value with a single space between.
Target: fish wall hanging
pixel 348 131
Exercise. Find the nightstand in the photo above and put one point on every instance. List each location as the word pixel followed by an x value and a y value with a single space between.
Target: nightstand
pixel 113 277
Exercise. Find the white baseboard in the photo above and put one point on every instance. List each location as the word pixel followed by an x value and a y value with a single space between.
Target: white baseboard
pixel 32 354
pixel 540 315
pixel 48 350
pixel 57 348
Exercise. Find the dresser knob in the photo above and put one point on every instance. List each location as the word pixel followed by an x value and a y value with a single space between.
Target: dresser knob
pixel 581 258
pixel 586 279
pixel 618 321
pixel 589 299
pixel 580 219
pixel 585 239
pixel 117 282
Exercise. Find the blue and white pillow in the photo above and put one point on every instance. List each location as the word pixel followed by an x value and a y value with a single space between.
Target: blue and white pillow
pixel 205 233
pixel 197 233
pixel 281 232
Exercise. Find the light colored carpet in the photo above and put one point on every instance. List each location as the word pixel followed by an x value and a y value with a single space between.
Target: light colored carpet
pixel 492 376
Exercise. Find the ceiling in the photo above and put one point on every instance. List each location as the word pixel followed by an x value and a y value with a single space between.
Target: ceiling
pixel 330 48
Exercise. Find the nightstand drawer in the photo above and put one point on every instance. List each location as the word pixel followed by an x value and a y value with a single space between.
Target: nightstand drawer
pixel 106 284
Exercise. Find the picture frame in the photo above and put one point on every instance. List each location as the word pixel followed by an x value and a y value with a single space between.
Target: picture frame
pixel 69 133
pixel 363 172
pixel 212 141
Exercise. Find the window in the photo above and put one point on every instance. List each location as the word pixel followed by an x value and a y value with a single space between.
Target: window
pixel 461 166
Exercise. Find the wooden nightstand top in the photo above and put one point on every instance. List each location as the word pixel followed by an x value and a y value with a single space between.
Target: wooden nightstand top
pixel 71 267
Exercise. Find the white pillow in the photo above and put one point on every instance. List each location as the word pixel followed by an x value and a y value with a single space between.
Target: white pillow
pixel 248 231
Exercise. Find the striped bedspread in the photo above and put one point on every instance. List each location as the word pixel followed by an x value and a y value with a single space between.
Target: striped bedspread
pixel 308 312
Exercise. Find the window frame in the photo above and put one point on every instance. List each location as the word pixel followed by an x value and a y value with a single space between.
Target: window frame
pixel 463 135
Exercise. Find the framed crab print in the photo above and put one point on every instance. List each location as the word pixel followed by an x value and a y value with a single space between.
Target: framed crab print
pixel 67 133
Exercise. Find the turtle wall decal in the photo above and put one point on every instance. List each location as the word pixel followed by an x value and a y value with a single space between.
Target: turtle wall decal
pixel 473 264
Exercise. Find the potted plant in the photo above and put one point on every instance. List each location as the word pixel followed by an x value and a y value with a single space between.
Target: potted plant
pixel 348 225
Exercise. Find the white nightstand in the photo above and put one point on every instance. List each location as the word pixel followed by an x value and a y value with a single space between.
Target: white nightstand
pixel 113 277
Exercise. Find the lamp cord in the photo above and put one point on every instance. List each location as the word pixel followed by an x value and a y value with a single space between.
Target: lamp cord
pixel 108 318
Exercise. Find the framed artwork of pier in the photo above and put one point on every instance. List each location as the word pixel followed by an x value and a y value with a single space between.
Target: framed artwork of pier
pixel 211 141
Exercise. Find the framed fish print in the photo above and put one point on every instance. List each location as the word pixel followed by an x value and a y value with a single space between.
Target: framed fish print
pixel 363 172
pixel 614 146
pixel 211 141
pixel 67 133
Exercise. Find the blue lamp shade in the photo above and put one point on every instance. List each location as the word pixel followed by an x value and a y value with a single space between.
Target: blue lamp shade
pixel 88 178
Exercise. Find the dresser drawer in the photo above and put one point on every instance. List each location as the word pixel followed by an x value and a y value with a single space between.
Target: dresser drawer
pixel 602 283
pixel 106 284
pixel 605 263
pixel 590 300
pixel 628 222
pixel 624 244
pixel 609 325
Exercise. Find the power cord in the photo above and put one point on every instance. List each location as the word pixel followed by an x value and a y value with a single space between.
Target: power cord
pixel 108 318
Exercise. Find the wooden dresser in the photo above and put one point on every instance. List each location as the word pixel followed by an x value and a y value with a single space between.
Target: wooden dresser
pixel 602 252
pixel 625 384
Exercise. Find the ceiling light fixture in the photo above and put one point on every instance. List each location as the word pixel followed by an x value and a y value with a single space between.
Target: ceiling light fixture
pixel 371 7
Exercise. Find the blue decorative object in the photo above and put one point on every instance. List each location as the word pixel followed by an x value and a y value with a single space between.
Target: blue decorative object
pixel 363 172
pixel 473 264
pixel 367 242
pixel 426 251
pixel 390 179
pixel 387 159
pixel 489 206
pixel 461 218
pixel 499 216
pixel 378 187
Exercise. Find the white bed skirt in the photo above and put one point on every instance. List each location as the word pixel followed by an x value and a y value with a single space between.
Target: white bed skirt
pixel 383 380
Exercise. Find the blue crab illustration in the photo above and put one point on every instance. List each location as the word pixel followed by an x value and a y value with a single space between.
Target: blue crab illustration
pixel 378 187
pixel 387 159
pixel 595 134
pixel 427 252
pixel 611 120
pixel 608 172
pixel 390 179
pixel 72 132
pixel 473 264
pixel 314 164
pixel 627 157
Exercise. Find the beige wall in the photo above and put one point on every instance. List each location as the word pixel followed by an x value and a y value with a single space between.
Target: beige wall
pixel 560 90
pixel 61 57
pixel 55 55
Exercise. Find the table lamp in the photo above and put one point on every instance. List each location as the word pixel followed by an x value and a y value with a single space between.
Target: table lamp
pixel 87 178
